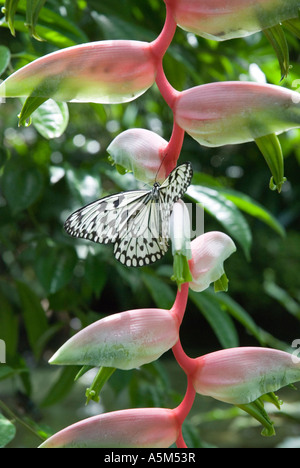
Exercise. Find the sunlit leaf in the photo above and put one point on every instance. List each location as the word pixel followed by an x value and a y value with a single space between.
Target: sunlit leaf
pixel 7 431
pixel 278 40
pixel 10 11
pixel 51 119
pixel 32 13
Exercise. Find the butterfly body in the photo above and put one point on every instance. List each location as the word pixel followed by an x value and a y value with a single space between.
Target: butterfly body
pixel 136 222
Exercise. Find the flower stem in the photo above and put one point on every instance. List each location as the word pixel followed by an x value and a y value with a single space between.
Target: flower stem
pixel 161 44
pixel 187 364
pixel 173 149
pixel 167 91
pixel 185 406
pixel 179 306
pixel 183 410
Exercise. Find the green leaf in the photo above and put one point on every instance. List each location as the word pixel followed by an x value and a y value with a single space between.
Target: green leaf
pixel 29 106
pixel 277 38
pixel 10 11
pixel 51 119
pixel 161 293
pixel 242 316
pixel 34 316
pixel 293 25
pixel 4 58
pixel 225 212
pixel 95 274
pixel 21 185
pixel 237 312
pixel 253 208
pixel 32 13
pixel 282 296
pixel 6 372
pixel 218 319
pixel 54 265
pixel 7 431
pixel 52 26
pixel 270 148
pixel 61 387
pixel 85 187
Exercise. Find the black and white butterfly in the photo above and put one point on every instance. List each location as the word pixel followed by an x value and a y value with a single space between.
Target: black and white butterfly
pixel 136 222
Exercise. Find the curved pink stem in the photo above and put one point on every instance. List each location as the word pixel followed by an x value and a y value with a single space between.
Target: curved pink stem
pixel 161 44
pixel 179 306
pixel 182 411
pixel 187 364
pixel 173 149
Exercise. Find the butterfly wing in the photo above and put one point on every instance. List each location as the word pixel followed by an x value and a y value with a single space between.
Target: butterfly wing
pixel 148 233
pixel 144 242
pixel 105 220
pixel 176 184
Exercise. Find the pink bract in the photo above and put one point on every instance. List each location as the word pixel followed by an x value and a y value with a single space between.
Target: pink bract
pixel 101 72
pixel 221 20
pixel 218 114
pixel 134 428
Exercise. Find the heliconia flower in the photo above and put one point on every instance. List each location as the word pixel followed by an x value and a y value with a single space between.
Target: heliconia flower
pixel 124 341
pixel 101 72
pixel 218 114
pixel 140 151
pixel 209 251
pixel 219 20
pixel 242 375
pixel 132 428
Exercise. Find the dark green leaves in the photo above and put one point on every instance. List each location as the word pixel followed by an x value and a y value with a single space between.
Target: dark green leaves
pixel 4 58
pixel 225 212
pixel 41 22
pixel 33 8
pixel 218 319
pixel 54 265
pixel 21 184
pixel 32 13
pixel 10 11
pixel 34 317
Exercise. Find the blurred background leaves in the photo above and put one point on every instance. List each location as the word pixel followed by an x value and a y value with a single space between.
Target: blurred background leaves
pixel 51 285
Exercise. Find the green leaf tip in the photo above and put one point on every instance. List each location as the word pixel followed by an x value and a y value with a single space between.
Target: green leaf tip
pixel 221 285
pixel 276 37
pixel 271 150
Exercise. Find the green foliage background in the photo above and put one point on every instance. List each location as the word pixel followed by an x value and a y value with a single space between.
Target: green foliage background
pixel 52 285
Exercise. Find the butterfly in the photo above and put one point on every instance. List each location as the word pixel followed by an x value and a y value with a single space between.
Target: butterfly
pixel 136 222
